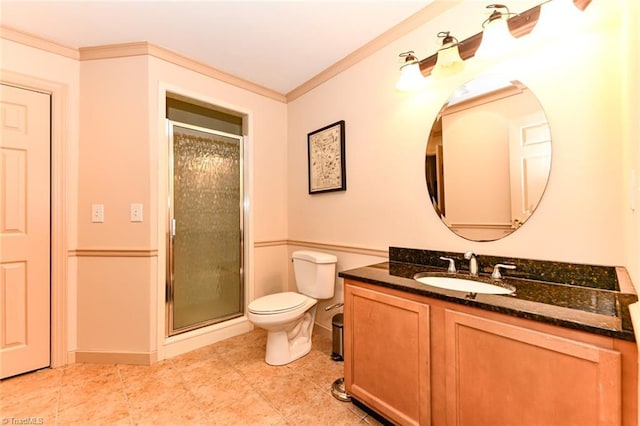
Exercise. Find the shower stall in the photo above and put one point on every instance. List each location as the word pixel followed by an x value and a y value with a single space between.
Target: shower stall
pixel 205 283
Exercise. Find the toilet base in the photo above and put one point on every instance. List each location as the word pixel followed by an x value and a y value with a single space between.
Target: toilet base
pixel 286 346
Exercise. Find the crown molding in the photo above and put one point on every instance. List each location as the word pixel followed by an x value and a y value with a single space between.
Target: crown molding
pixel 112 51
pixel 37 42
pixel 123 50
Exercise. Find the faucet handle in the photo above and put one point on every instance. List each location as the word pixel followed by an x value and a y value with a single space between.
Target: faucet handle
pixel 496 275
pixel 452 264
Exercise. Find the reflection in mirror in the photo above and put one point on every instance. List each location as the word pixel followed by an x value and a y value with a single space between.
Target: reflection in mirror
pixel 488 158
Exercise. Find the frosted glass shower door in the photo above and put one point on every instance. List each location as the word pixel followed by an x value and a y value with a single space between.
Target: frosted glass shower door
pixel 205 283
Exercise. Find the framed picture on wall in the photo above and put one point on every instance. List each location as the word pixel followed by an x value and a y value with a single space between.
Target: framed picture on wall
pixel 325 149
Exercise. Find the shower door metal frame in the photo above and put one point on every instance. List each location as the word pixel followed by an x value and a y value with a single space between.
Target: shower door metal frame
pixel 171 232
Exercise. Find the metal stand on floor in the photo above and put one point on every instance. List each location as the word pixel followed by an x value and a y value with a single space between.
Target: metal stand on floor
pixel 338 392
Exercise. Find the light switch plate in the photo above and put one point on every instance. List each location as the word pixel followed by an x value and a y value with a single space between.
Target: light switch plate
pixel 97 213
pixel 136 212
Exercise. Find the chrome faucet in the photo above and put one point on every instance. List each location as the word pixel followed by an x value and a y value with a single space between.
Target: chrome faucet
pixel 473 263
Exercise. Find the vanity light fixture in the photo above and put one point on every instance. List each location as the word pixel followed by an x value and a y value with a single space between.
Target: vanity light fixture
pixel 513 26
pixel 449 61
pixel 410 76
pixel 496 37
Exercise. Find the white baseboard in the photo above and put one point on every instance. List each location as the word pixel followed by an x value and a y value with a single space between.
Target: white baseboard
pixel 196 339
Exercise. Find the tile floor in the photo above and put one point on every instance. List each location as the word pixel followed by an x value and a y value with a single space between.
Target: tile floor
pixel 227 383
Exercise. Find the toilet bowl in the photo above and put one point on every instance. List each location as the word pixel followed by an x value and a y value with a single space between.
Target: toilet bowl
pixel 289 316
pixel 289 326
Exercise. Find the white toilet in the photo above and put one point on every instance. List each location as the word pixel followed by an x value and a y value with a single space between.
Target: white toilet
pixel 288 317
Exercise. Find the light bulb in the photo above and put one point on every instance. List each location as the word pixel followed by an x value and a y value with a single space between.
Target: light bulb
pixel 448 63
pixel 410 77
pixel 496 39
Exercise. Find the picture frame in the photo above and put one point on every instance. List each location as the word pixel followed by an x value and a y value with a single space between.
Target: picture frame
pixel 326 159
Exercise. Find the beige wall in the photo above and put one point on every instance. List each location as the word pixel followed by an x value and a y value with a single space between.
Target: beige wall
pixel 580 86
pixel 114 152
pixel 631 96
pixel 116 265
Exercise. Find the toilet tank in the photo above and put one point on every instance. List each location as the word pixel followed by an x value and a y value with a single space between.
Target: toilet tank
pixel 315 273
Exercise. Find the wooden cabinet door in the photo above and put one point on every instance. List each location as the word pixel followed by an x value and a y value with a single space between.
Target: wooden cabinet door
pixel 387 354
pixel 500 374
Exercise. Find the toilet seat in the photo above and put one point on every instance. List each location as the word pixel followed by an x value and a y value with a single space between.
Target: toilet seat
pixel 277 303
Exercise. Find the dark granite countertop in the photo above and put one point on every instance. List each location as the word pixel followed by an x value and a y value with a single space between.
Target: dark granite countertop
pixel 581 307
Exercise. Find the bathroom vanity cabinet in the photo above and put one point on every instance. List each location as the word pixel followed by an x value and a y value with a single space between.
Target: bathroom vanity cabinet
pixel 387 354
pixel 421 360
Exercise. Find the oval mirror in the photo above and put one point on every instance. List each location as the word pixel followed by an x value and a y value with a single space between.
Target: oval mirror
pixel 488 158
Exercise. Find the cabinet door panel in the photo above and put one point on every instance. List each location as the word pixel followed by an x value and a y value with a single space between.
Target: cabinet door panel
pixel 387 347
pixel 500 374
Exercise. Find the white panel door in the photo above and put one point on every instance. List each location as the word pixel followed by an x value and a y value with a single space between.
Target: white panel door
pixel 24 230
pixel 530 163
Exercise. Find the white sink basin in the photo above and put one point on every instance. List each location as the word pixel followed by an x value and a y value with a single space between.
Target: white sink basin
pixel 461 284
